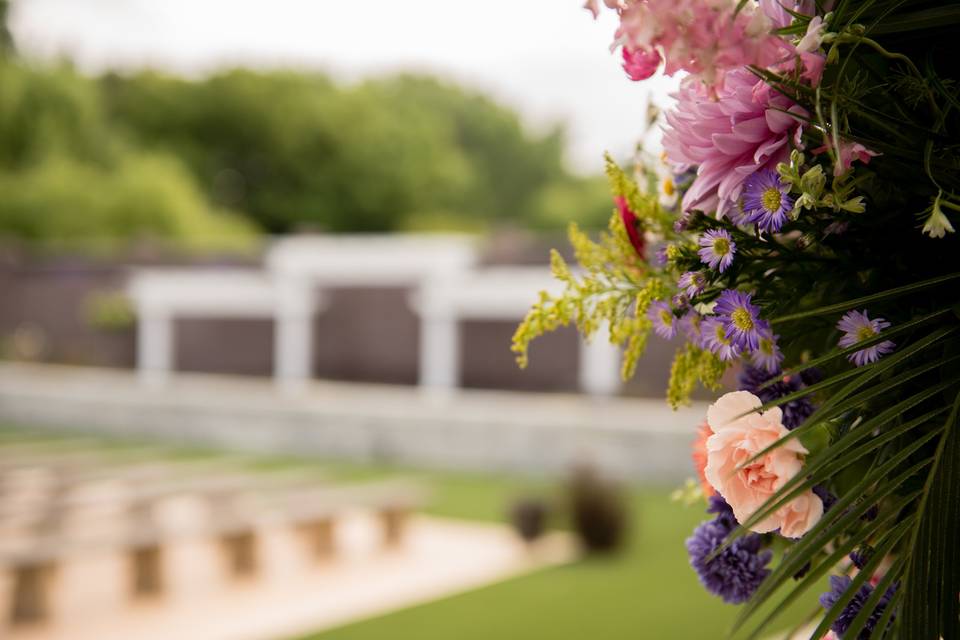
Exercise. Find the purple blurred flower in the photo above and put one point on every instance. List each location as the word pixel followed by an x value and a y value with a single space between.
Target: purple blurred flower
pixel 794 412
pixel 664 322
pixel 714 333
pixel 717 249
pixel 692 282
pixel 736 572
pixel 740 317
pixel 691 324
pixel 766 200
pixel 857 327
pixel 838 586
pixel 767 354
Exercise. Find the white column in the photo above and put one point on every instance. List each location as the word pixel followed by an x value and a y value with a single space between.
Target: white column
pixel 599 371
pixel 293 333
pixel 439 350
pixel 155 344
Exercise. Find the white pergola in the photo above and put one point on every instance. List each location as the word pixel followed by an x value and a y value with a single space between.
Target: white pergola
pixel 299 266
pixel 495 293
pixel 161 295
pixel 440 269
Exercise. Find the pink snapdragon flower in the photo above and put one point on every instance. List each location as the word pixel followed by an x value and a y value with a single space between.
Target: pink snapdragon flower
pixel 728 138
pixel 706 38
pixel 847 154
pixel 593 6
pixel 640 64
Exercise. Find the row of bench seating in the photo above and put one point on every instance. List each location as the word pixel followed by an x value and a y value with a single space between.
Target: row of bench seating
pixel 60 507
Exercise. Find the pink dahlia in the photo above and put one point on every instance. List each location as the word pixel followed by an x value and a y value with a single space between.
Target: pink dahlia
pixel 706 38
pixel 745 129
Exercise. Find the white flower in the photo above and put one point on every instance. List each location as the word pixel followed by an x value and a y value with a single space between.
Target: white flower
pixel 810 42
pixel 938 224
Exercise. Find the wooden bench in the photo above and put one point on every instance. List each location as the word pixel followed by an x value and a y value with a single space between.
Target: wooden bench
pixel 311 512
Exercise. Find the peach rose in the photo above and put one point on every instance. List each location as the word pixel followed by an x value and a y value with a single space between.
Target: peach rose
pixel 739 433
pixel 699 455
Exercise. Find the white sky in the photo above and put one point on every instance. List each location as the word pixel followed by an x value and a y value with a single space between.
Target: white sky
pixel 546 58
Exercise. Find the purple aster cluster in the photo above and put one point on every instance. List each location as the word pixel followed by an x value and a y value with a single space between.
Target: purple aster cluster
pixel 795 412
pixel 714 338
pixel 737 571
pixel 857 327
pixel 766 201
pixel 839 586
pixel 717 249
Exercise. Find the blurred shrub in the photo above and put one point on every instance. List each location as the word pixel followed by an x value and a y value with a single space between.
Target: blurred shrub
pixel 108 310
pixel 598 511
pixel 529 518
pixel 63 203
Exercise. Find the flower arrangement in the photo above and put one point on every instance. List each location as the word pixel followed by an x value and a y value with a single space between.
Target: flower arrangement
pixel 796 241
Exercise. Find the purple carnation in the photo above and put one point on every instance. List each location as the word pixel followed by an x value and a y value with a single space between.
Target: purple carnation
pixel 857 327
pixel 825 495
pixel 737 571
pixel 795 411
pixel 717 249
pixel 741 319
pixel 664 322
pixel 838 586
pixel 766 200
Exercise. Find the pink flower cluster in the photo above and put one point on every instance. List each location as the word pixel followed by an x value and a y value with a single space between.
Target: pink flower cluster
pixel 706 38
pixel 745 128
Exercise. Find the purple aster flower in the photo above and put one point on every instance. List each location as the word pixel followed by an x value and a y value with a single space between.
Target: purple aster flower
pixel 839 585
pixel 766 200
pixel 691 324
pixel 857 327
pixel 767 354
pixel 660 255
pixel 741 319
pixel 795 411
pixel 692 283
pixel 736 572
pixel 717 249
pixel 714 338
pixel 664 322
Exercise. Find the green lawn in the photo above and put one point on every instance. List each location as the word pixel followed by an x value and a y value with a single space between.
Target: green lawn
pixel 647 591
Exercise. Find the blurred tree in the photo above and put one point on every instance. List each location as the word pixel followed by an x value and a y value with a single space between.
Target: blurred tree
pixel 68 179
pixel 6 38
pixel 295 151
